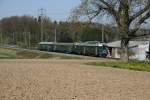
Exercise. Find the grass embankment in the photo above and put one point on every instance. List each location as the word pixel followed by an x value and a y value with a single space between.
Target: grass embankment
pixel 133 65
pixel 29 54
pixel 7 54
pixel 26 54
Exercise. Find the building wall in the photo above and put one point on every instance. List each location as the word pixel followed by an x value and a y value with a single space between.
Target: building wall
pixel 138 53
pixel 115 53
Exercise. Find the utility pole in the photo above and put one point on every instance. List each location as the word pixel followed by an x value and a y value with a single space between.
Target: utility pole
pixel 41 16
pixel 25 36
pixel 29 40
pixel 1 37
pixel 13 37
pixel 55 40
pixel 55 35
pixel 102 33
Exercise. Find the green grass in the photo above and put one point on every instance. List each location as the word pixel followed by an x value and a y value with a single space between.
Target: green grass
pixel 39 55
pixel 29 54
pixel 133 65
pixel 7 54
pixel 69 57
pixel 24 54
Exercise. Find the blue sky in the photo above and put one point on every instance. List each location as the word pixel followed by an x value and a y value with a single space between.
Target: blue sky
pixel 55 9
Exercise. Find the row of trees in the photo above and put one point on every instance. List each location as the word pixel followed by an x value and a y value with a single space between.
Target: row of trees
pixel 25 31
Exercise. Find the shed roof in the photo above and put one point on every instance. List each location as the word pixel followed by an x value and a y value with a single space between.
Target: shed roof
pixel 117 44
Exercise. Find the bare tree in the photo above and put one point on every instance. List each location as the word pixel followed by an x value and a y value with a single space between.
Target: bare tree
pixel 129 16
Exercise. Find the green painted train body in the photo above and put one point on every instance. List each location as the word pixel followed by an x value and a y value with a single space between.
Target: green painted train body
pixel 63 47
pixel 91 48
pixel 55 47
pixel 46 46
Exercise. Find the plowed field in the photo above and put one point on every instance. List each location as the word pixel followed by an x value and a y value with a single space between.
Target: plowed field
pixel 69 80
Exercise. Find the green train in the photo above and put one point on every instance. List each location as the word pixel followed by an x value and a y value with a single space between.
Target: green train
pixel 90 48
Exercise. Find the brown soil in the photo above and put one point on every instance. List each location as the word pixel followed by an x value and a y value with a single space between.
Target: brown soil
pixel 69 80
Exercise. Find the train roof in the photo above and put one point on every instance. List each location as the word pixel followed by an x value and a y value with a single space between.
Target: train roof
pixel 89 43
pixel 54 43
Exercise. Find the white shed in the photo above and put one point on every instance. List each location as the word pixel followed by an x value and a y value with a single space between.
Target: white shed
pixel 138 49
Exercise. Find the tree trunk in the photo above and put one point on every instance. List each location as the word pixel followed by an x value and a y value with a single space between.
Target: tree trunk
pixel 123 26
pixel 124 50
